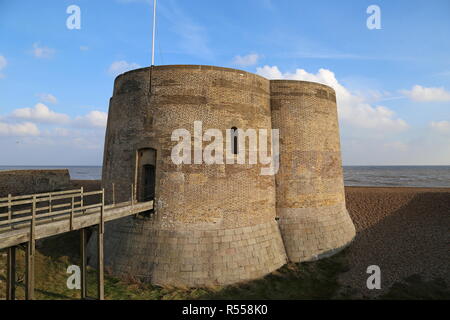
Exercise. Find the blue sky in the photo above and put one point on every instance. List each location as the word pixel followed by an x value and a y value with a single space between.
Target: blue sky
pixel 393 84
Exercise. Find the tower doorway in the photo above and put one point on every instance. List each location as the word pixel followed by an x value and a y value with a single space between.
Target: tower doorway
pixel 146 175
pixel 148 183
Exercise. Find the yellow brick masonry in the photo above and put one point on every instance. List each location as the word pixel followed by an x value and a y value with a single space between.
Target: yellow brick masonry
pixel 216 224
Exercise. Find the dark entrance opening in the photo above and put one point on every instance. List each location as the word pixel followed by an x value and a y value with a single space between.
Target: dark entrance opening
pixel 146 177
pixel 148 183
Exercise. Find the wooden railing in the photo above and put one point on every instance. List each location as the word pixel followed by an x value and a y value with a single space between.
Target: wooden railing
pixel 23 211
pixel 23 219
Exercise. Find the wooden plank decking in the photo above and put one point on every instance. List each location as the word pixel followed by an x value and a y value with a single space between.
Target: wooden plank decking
pixel 25 219
pixel 61 225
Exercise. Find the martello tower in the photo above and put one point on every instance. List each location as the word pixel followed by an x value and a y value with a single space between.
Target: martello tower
pixel 221 224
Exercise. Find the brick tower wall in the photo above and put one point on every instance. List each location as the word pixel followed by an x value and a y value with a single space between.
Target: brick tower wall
pixel 311 208
pixel 214 224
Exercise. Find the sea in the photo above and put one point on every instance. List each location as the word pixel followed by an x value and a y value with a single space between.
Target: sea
pixel 397 176
pixel 379 176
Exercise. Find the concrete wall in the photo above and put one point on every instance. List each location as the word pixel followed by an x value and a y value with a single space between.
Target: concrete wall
pixel 313 221
pixel 24 182
pixel 214 224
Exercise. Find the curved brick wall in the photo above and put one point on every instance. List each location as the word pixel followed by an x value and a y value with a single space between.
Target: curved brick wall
pixel 311 208
pixel 213 224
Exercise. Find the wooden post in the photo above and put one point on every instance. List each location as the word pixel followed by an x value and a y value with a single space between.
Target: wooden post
pixel 30 255
pixel 100 266
pixel 83 263
pixel 29 273
pixel 132 194
pixel 9 209
pixel 50 203
pixel 11 274
pixel 102 212
pixel 82 199
pixel 71 213
pixel 132 199
pixel 113 194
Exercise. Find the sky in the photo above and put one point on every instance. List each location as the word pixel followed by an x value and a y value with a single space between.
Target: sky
pixel 392 82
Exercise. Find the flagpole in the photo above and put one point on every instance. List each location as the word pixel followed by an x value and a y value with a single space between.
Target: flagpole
pixel 154 32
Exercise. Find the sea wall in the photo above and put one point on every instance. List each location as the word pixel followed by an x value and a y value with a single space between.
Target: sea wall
pixel 23 182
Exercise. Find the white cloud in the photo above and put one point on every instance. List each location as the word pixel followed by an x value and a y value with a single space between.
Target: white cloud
pixel 441 126
pixel 422 94
pixel 96 119
pixel 270 72
pixel 47 97
pixel 353 109
pixel 19 129
pixel 80 137
pixel 42 52
pixel 119 67
pixel 84 48
pixel 40 113
pixel 246 61
pixel 3 64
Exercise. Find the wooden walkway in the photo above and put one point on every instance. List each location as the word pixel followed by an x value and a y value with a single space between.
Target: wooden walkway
pixel 25 219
